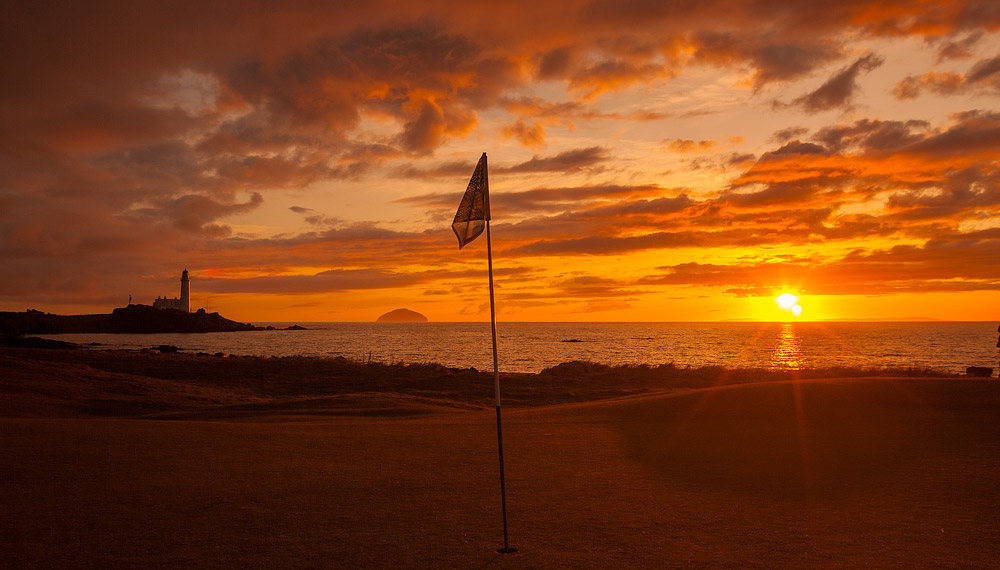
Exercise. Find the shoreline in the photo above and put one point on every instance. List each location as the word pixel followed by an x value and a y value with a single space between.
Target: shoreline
pixel 157 383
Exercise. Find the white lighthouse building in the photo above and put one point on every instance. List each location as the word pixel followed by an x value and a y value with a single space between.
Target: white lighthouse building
pixel 182 304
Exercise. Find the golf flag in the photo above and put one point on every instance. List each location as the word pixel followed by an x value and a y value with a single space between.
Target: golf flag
pixel 470 220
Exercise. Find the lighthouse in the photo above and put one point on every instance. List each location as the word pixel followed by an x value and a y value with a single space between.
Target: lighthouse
pixel 182 304
pixel 185 292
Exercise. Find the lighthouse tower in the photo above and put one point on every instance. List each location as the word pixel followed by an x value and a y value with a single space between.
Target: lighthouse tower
pixel 185 292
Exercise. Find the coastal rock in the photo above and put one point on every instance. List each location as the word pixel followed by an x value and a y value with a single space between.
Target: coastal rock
pixel 134 319
pixel 979 371
pixel 34 342
pixel 402 316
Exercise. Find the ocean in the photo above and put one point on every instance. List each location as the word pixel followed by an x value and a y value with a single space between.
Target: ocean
pixel 531 347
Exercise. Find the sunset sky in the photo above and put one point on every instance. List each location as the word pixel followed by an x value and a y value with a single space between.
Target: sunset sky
pixel 649 160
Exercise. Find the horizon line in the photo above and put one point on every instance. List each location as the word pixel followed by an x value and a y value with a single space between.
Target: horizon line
pixel 726 321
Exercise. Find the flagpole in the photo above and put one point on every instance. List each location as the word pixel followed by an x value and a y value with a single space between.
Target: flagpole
pixel 496 366
pixel 496 390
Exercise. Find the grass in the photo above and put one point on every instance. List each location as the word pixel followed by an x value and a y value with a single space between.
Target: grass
pixel 821 474
pixel 123 383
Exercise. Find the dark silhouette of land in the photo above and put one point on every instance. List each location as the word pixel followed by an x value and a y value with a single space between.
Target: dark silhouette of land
pixel 402 316
pixel 136 319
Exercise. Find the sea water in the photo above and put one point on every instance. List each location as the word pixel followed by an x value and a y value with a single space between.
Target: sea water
pixel 531 347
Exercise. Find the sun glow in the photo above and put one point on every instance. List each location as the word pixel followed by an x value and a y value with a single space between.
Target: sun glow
pixel 789 302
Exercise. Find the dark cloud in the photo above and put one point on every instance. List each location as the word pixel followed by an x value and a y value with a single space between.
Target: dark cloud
pixel 543 199
pixel 784 135
pixel 327 281
pixel 838 91
pixel 315 218
pixel 94 126
pixel 688 145
pixel 566 161
pixel 873 135
pixel 369 152
pixel 985 70
pixel 550 113
pixel 793 148
pixel 780 62
pixel 958 48
pixel 554 63
pixel 323 88
pixel 338 280
pixel 455 168
pixel 266 172
pixel 655 207
pixel 970 189
pixel 978 14
pixel 975 133
pixel 608 245
pixel 197 213
pixel 737 159
pixel 536 107
pixel 592 287
pixel 773 58
pixel 777 194
pixel 972 131
pixel 575 198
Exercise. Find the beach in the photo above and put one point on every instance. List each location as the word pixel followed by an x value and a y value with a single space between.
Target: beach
pixel 145 460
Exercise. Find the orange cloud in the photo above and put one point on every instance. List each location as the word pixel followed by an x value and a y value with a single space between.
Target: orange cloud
pixel 984 76
pixel 529 135
pixel 688 145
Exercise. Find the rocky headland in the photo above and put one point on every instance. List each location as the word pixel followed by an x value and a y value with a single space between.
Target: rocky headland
pixel 135 319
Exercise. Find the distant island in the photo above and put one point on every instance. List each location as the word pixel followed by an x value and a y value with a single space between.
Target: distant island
pixel 135 319
pixel 402 316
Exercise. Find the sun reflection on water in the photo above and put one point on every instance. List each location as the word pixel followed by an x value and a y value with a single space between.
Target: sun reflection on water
pixel 786 353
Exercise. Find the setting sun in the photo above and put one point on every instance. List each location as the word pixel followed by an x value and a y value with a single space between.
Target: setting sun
pixel 789 302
